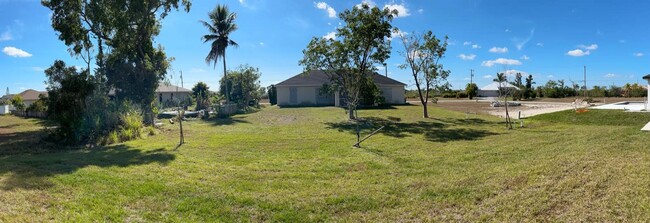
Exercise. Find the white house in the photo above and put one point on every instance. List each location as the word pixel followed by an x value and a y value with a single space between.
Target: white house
pixel 166 92
pixel 492 90
pixel 305 90
pixel 29 96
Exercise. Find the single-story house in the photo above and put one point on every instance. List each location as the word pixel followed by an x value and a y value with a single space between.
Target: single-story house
pixel 305 90
pixel 166 92
pixel 30 96
pixel 492 90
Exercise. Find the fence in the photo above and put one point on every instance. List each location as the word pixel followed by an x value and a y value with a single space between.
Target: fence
pixel 30 114
pixel 227 110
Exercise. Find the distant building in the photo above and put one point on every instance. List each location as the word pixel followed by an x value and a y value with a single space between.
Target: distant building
pixel 305 90
pixel 166 93
pixel 29 96
pixel 492 90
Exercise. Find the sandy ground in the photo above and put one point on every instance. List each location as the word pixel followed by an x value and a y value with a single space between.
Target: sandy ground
pixel 527 109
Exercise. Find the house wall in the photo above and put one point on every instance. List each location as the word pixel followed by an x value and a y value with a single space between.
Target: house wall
pixel 488 93
pixel 393 94
pixel 304 95
pixel 172 95
pixel 4 109
pixel 28 103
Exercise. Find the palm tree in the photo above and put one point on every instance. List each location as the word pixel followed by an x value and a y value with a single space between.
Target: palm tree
pixel 220 26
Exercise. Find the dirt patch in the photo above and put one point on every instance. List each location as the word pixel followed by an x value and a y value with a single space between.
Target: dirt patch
pixel 527 109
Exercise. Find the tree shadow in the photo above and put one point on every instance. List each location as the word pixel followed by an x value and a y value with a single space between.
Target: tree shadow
pixel 30 142
pixel 436 130
pixel 31 171
pixel 446 135
pixel 228 120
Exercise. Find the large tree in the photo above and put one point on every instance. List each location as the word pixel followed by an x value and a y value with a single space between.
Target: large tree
pixel 126 29
pixel 202 95
pixel 244 83
pixel 350 58
pixel 423 54
pixel 220 26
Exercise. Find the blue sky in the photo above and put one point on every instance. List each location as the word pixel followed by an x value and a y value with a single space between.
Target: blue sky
pixel 550 39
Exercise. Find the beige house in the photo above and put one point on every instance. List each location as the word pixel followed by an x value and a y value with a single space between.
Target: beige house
pixel 171 92
pixel 166 93
pixel 29 96
pixel 304 90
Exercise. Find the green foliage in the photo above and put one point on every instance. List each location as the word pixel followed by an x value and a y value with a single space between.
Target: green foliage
pixel 125 29
pixel 17 102
pixel 272 93
pixel 220 26
pixel 558 89
pixel 471 90
pixel 244 84
pixel 201 94
pixel 350 58
pixel 370 93
pixel 68 90
pixel 39 105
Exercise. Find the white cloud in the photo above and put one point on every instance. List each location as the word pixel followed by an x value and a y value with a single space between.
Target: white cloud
pixel 521 43
pixel 550 76
pixel 261 43
pixel 397 34
pixel 476 46
pixel 420 11
pixel 504 61
pixel 15 52
pixel 467 43
pixel 499 49
pixel 622 41
pixel 6 36
pixel 524 57
pixel 402 11
pixel 370 3
pixel 330 35
pixel 487 76
pixel 540 44
pixel 638 54
pixel 590 47
pixel 507 30
pixel 578 53
pixel 467 57
pixel 514 73
pixel 610 75
pixel 324 6
pixel 38 69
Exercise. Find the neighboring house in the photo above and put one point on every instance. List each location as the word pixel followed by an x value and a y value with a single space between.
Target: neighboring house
pixel 304 90
pixel 30 96
pixel 166 93
pixel 172 92
pixel 492 90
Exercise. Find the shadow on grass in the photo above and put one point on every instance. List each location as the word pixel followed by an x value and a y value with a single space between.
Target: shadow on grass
pixel 31 171
pixel 437 130
pixel 227 120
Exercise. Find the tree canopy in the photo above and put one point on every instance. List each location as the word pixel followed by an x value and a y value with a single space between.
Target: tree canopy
pixel 350 58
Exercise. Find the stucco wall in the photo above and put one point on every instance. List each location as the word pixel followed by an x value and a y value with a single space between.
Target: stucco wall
pixel 304 96
pixel 393 94
pixel 176 96
pixel 488 93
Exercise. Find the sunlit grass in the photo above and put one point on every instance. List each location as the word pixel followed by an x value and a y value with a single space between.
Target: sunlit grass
pixel 298 164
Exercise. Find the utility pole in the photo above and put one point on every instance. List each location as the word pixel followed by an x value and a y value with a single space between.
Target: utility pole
pixel 386 69
pixel 471 76
pixel 585 81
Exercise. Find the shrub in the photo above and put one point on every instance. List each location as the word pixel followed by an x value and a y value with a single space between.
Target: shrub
pixel 272 94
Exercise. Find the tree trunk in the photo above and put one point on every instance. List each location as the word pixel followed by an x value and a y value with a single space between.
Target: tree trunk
pixel 225 76
pixel 351 113
pixel 424 110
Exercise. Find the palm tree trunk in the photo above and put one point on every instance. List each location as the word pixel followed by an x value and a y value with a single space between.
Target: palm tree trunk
pixel 225 76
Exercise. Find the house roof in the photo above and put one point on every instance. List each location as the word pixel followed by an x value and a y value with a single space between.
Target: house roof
pixel 31 95
pixel 163 88
pixel 494 86
pixel 646 77
pixel 319 77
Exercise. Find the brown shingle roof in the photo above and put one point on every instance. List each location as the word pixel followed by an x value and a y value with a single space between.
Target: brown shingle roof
pixel 32 95
pixel 319 77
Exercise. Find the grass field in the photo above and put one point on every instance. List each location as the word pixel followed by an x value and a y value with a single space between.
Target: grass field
pixel 298 165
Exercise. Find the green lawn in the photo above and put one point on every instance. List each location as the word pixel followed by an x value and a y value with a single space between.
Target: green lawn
pixel 298 165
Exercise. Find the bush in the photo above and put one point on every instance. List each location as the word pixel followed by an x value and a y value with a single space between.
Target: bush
pixel 272 94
